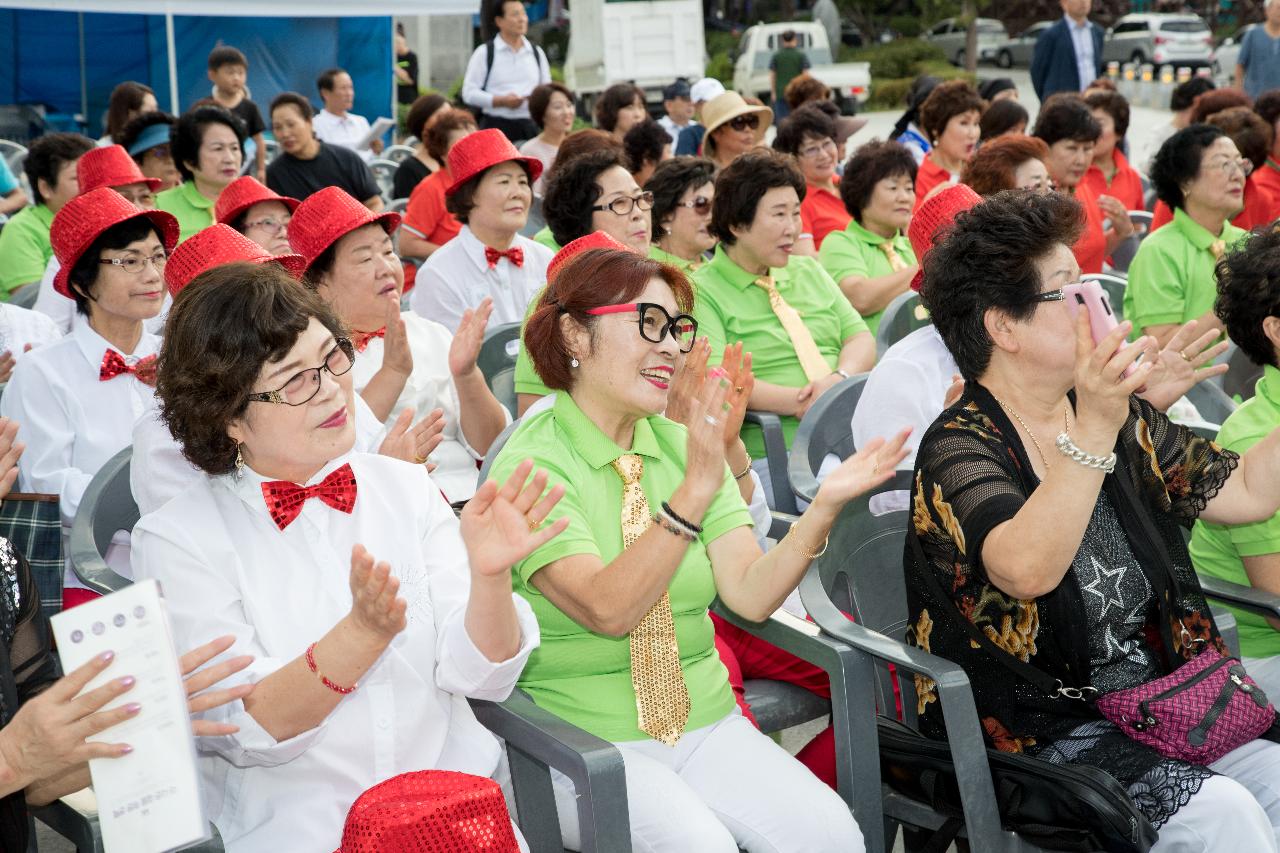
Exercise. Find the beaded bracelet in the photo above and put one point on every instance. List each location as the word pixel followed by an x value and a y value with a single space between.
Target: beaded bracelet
pixel 672 527
pixel 675 516
pixel 1068 448
pixel 311 664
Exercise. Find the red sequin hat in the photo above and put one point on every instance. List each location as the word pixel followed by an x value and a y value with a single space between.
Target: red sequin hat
pixel 83 219
pixel 325 216
pixel 594 240
pixel 110 166
pixel 934 216
pixel 430 811
pixel 217 245
pixel 477 151
pixel 243 193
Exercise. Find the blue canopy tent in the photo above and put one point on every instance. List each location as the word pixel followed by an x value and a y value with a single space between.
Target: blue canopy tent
pixel 68 54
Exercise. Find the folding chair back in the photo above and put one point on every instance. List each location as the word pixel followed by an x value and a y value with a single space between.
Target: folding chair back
pixel 107 506
pixel 825 428
pixel 904 315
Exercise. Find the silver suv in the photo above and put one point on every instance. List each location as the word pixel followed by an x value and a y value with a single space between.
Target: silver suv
pixel 1161 39
pixel 950 36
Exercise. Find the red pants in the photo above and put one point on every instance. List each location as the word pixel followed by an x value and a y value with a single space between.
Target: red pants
pixel 74 596
pixel 747 656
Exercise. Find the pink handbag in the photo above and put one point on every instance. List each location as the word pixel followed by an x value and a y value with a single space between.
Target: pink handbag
pixel 1198 713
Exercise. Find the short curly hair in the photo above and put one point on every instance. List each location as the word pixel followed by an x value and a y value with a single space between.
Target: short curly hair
pixel 48 155
pixel 869 165
pixel 229 322
pixel 671 180
pixel 991 168
pixel 578 143
pixel 645 143
pixel 741 185
pixel 440 126
pixel 187 135
pixel 803 89
pixel 1268 106
pixel 421 111
pixel 292 99
pixel 1114 105
pixel 807 122
pixel 1247 130
pixel 945 102
pixel 1217 100
pixel 1002 117
pixel 593 279
pixel 988 260
pixel 1249 292
pixel 540 99
pixel 613 99
pixel 1066 116
pixel 568 196
pixel 1178 161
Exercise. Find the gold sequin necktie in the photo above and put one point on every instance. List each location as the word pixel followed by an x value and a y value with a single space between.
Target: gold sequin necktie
pixel 811 361
pixel 662 699
pixel 1218 247
pixel 896 263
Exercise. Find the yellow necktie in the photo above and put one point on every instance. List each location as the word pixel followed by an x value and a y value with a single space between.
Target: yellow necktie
pixel 814 365
pixel 1217 247
pixel 662 699
pixel 896 263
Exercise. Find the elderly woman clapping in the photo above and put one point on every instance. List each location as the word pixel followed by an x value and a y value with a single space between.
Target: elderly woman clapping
pixel 1045 540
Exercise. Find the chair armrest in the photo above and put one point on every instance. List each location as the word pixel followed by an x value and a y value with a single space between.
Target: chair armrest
pixel 536 740
pixel 955 698
pixel 1247 598
pixel 803 483
pixel 88 564
pixel 781 524
pixel 775 451
pixel 80 829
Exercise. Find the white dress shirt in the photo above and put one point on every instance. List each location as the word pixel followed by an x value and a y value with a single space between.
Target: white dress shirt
pixel 673 130
pixel 457 277
pixel 348 131
pixel 514 72
pixel 159 472
pixel 227 569
pixel 72 422
pixel 430 386
pixel 22 326
pixel 62 309
pixel 1082 42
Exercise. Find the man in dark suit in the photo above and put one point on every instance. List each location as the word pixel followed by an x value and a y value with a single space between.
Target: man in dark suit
pixel 1068 55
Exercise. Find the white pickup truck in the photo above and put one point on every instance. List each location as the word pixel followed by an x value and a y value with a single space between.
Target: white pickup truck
pixel 850 82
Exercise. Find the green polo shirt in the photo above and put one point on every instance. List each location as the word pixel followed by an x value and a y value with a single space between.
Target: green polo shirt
pixel 856 251
pixel 581 676
pixel 189 206
pixel 730 308
pixel 665 257
pixel 1218 550
pixel 1171 277
pixel 544 237
pixel 24 248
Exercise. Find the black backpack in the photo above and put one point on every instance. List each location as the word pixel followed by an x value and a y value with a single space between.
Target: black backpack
pixel 490 50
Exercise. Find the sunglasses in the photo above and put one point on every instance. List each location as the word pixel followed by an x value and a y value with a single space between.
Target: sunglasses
pixel 656 323
pixel 751 121
pixel 700 205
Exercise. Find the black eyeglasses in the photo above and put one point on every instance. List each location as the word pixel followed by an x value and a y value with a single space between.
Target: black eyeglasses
pixel 750 121
pixel 700 205
pixel 623 205
pixel 304 385
pixel 655 323
pixel 1050 296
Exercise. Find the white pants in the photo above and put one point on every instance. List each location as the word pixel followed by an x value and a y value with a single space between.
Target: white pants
pixel 1236 812
pixel 1265 671
pixel 722 787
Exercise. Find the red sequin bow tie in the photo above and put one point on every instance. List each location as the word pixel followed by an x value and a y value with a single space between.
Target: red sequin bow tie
pixel 285 500
pixel 363 338
pixel 113 365
pixel 515 254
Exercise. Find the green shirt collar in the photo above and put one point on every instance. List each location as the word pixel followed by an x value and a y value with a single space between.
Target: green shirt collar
pixel 858 232
pixel 1196 234
pixel 593 445
pixel 42 214
pixel 1268 386
pixel 193 196
pixel 736 275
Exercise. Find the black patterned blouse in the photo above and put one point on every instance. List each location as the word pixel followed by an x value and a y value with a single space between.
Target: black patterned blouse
pixel 27 666
pixel 1123 614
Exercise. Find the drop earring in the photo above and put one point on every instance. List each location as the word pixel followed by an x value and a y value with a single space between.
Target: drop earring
pixel 239 463
pixel 573 362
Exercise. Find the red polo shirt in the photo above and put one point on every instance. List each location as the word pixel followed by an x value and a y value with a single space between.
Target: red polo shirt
pixel 1125 186
pixel 822 212
pixel 1091 249
pixel 929 176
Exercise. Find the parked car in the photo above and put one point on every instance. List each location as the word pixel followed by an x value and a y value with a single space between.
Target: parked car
pixel 1228 55
pixel 950 36
pixel 1018 50
pixel 850 82
pixel 1161 39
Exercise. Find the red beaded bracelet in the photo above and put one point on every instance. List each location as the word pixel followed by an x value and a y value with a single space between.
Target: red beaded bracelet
pixel 336 688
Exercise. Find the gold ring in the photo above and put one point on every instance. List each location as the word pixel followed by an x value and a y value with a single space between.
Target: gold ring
pixel 738 390
pixel 1184 355
pixel 421 460
pixel 875 469
pixel 533 525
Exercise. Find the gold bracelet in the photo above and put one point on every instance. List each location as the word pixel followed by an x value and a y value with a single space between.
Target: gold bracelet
pixel 745 471
pixel 800 548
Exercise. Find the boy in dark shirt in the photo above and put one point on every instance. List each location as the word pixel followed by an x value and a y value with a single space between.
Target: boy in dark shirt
pixel 788 63
pixel 228 69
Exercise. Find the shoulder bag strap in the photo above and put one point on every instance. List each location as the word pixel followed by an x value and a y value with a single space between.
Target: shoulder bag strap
pixel 490 50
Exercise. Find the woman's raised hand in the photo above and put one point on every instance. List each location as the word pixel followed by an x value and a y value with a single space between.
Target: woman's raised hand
pixel 1102 393
pixel 465 348
pixel 396 354
pixel 704 463
pixel 736 368
pixel 873 465
pixel 687 381
pixel 48 734
pixel 1185 361
pixel 196 682
pixel 414 443
pixel 502 525
pixel 375 608
pixel 10 451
